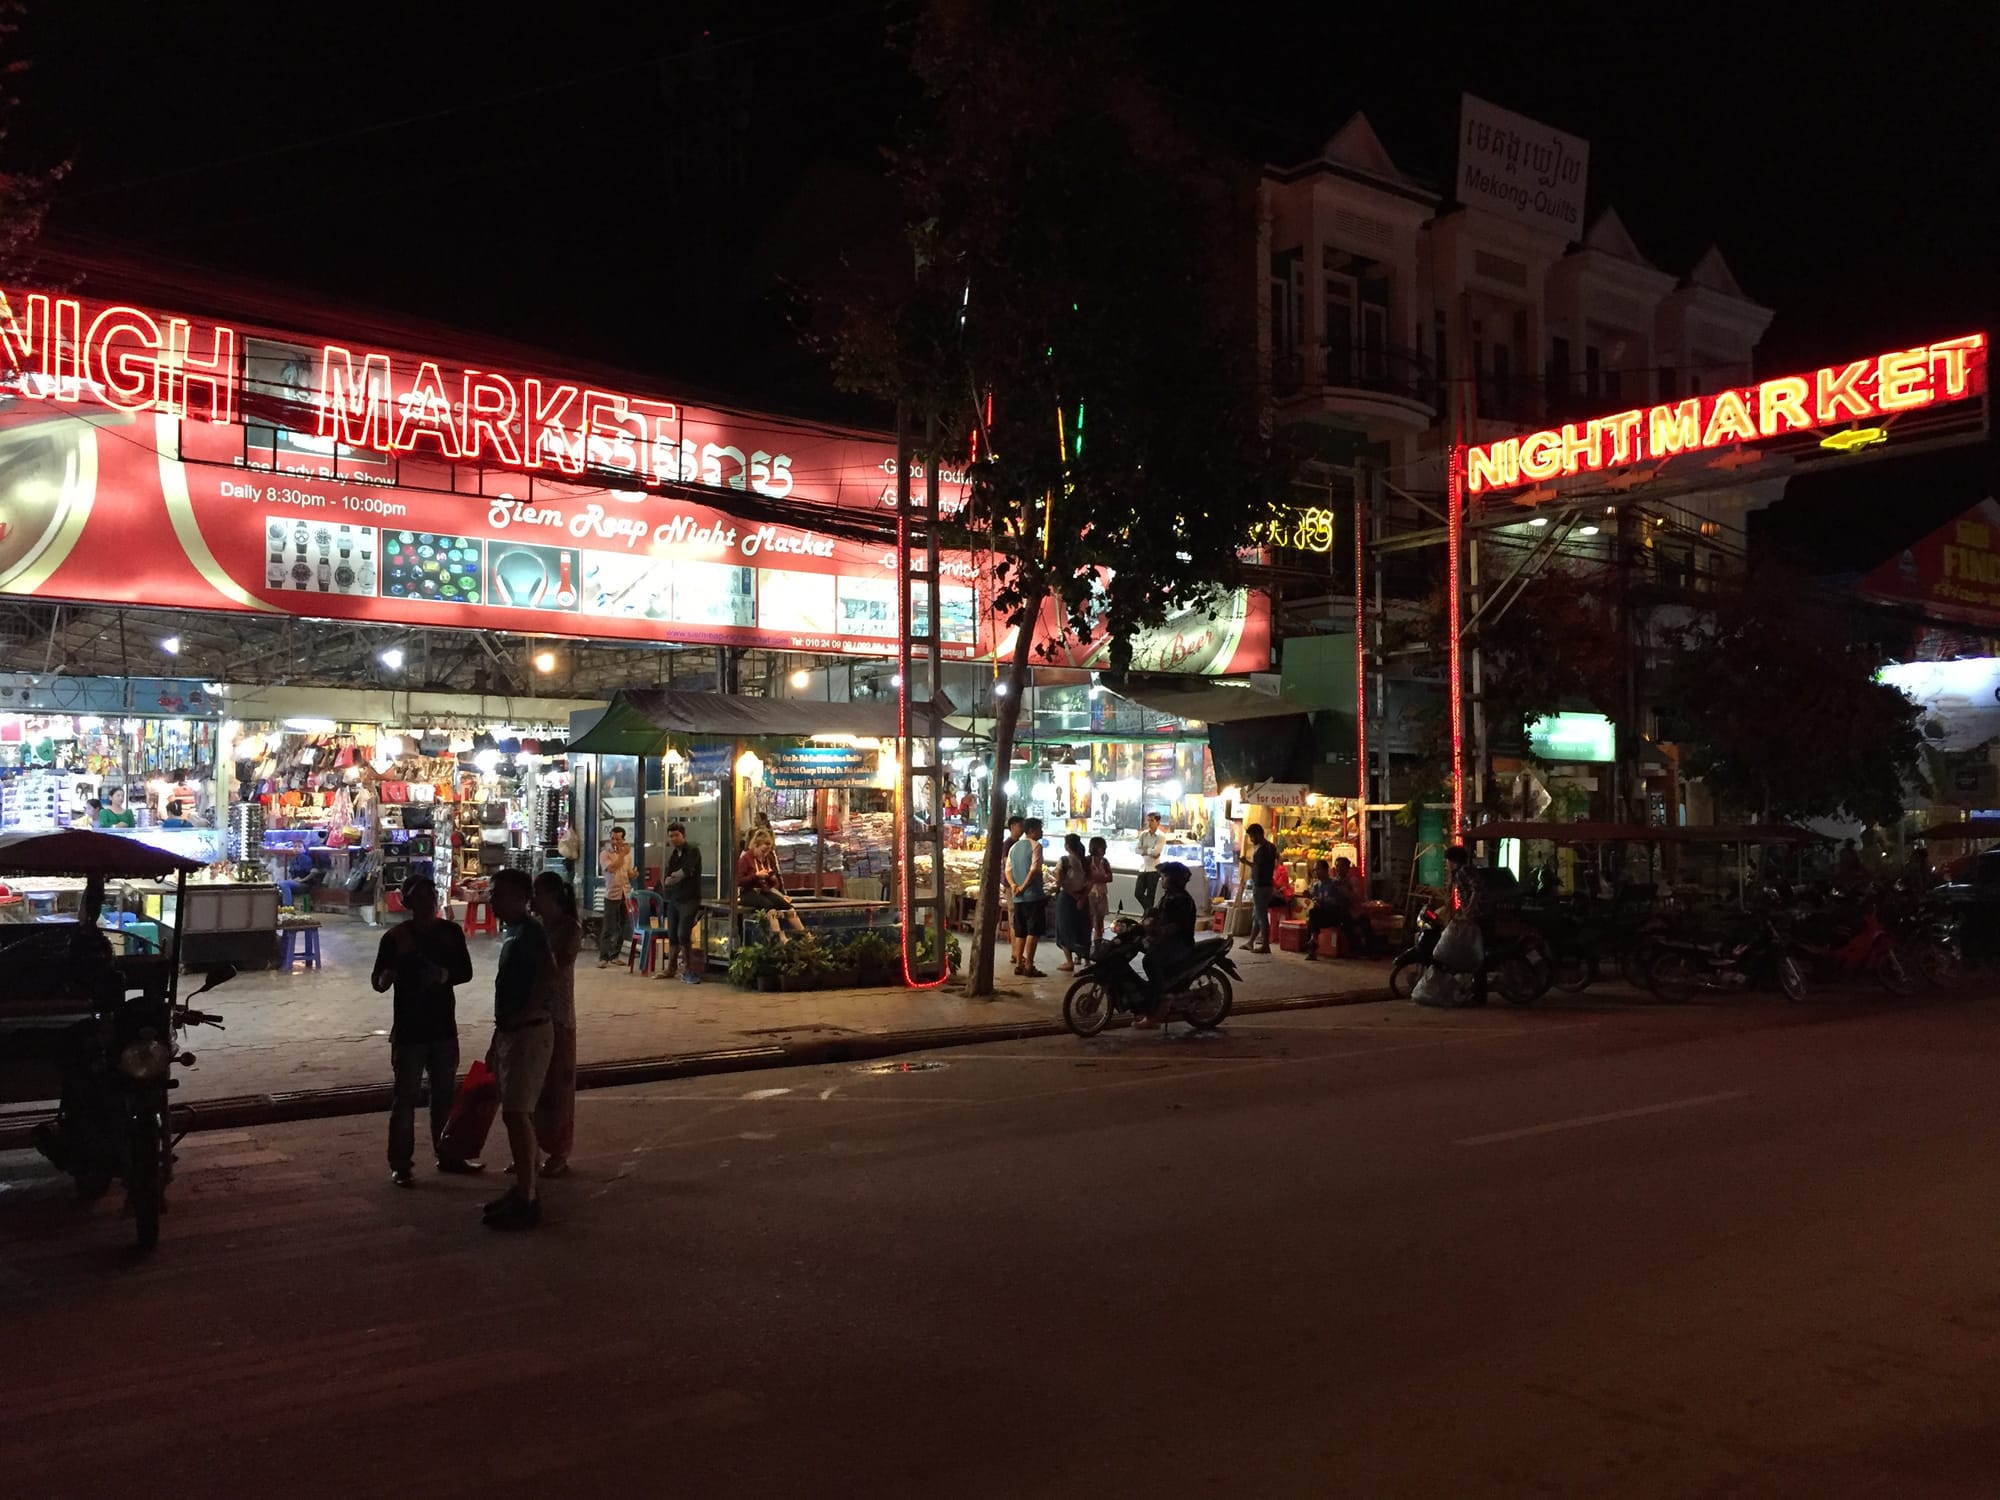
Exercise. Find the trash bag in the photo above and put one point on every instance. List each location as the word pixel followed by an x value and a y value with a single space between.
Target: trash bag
pixel 1435 987
pixel 1461 949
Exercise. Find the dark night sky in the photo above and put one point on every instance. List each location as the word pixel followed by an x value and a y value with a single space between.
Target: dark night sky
pixel 525 172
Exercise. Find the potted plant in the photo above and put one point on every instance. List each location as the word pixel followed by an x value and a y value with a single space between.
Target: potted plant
pixel 747 965
pixel 927 949
pixel 800 963
pixel 873 957
pixel 843 970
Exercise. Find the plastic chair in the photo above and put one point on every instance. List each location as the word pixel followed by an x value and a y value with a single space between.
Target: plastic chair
pixel 479 915
pixel 307 949
pixel 644 908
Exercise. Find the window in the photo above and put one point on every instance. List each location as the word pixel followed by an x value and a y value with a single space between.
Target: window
pixel 1284 287
pixel 1559 367
pixel 1669 386
pixel 1338 301
pixel 1593 371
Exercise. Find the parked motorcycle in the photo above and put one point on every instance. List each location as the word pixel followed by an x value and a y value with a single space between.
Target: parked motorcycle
pixel 1519 961
pixel 1845 944
pixel 1677 970
pixel 1198 992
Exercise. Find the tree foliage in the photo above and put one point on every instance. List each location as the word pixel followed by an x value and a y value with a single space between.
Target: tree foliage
pixel 1773 697
pixel 1077 315
pixel 1556 647
pixel 24 193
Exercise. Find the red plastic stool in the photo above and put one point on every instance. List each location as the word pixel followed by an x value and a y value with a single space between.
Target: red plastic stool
pixel 479 916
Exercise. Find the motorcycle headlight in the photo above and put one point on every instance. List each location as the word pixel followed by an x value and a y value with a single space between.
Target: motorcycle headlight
pixel 146 1059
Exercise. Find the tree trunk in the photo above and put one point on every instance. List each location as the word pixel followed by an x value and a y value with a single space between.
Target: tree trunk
pixel 1006 718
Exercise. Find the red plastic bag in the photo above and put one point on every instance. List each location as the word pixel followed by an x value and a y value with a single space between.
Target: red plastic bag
pixel 472 1110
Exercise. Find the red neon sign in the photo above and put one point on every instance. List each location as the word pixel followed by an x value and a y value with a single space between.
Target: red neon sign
pixel 1899 381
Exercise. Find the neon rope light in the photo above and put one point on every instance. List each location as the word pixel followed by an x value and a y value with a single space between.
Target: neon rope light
pixel 1360 703
pixel 1455 650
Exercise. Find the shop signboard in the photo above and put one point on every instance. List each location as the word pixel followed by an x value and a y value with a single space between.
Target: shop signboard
pixel 169 461
pixel 1862 391
pixel 1573 737
pixel 1277 794
pixel 813 766
pixel 710 762
pixel 1953 574
pixel 1521 169
pixel 145 696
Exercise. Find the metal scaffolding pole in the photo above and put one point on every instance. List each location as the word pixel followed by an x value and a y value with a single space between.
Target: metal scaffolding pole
pixel 919 705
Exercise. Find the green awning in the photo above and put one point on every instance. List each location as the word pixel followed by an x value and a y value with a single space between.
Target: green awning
pixel 645 721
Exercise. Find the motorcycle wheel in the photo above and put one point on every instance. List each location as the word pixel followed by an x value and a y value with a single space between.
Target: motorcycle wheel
pixel 1572 975
pixel 1087 1007
pixel 1896 973
pixel 1792 979
pixel 1209 1003
pixel 1403 978
pixel 1674 977
pixel 144 1189
pixel 1520 980
pixel 1939 963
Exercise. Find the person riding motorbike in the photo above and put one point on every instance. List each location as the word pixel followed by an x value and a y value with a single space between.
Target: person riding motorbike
pixel 1169 940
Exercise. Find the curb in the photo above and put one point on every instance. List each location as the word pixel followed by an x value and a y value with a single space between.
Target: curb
pixel 239 1111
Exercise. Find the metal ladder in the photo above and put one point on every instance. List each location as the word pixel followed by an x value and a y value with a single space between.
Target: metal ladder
pixel 920 705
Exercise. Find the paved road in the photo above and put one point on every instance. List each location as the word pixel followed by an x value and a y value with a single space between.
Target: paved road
pixel 1369 1252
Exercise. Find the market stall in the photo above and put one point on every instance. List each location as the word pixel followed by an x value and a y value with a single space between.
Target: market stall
pixel 821 776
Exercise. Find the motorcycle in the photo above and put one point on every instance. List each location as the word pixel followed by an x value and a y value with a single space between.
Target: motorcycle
pixel 1409 965
pixel 1677 971
pixel 1841 945
pixel 1197 992
pixel 1520 962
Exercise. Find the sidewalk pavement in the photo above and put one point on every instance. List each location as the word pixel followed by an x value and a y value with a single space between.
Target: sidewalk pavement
pixel 316 1042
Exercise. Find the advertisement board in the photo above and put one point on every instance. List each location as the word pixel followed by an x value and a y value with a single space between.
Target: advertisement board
pixel 1521 169
pixel 159 460
pixel 1954 573
pixel 1579 737
pixel 813 766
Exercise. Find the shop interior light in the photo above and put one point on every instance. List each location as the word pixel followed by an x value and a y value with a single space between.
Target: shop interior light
pixel 1538 520
pixel 801 678
pixel 999 689
pixel 1171 791
pixel 171 644
pixel 1586 531
pixel 1044 790
pixel 748 765
pixel 980 773
pixel 950 742
pixel 311 726
pixel 545 661
pixel 895 679
pixel 392 658
pixel 1012 787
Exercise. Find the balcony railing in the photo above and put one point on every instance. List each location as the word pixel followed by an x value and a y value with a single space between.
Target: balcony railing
pixel 1382 368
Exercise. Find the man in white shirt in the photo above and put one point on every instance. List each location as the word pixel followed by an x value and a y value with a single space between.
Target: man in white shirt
pixel 1151 843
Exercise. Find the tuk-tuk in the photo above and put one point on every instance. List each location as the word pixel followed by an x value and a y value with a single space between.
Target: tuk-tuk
pixel 92 1027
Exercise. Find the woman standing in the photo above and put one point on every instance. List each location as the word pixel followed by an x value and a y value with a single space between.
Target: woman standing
pixel 1072 901
pixel 555 1113
pixel 1100 891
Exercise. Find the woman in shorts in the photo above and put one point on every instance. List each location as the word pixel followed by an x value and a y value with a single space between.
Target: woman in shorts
pixel 757 886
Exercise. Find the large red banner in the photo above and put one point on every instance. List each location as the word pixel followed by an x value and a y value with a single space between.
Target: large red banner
pixel 161 461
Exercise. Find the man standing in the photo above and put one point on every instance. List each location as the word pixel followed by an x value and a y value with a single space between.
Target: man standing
pixel 523 1041
pixel 683 891
pixel 1029 895
pixel 422 959
pixel 614 860
pixel 1263 862
pixel 1151 841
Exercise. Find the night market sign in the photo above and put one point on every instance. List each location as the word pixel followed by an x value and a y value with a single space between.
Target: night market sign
pixel 1863 390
